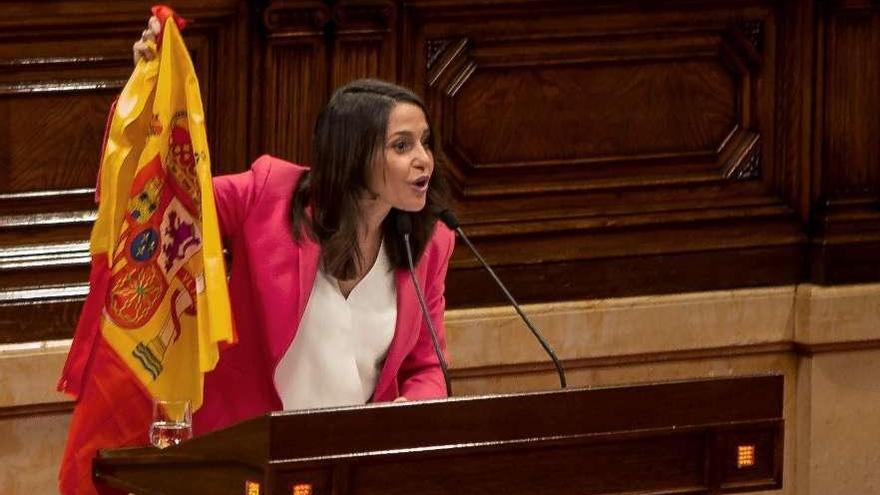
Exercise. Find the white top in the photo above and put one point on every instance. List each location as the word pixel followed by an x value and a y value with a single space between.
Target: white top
pixel 340 347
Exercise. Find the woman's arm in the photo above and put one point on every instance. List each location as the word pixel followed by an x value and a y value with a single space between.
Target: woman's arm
pixel 236 194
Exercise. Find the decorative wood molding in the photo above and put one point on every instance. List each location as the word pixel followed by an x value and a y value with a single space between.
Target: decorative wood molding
pixel 33 295
pixel 624 360
pixel 34 208
pixel 40 313
pixel 73 86
pixel 82 16
pixel 296 18
pixel 495 70
pixel 71 253
pixel 752 168
pixel 829 347
pixel 748 166
pixel 55 193
pixel 865 6
pixel 29 410
pixel 433 49
pixel 579 199
pixel 805 350
pixel 753 30
pixel 585 275
pixel 364 16
pixel 47 219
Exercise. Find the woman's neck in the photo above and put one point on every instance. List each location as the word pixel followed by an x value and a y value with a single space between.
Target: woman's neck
pixel 369 238
pixel 372 214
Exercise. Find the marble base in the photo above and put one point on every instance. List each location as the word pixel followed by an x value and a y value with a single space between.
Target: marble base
pixel 824 340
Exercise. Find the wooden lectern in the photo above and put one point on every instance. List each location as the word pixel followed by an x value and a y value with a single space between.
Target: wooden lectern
pixel 707 436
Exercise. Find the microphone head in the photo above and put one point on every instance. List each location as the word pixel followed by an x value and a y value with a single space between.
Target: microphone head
pixel 446 216
pixel 404 223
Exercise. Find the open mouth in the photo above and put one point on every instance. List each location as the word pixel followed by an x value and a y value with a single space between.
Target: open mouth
pixel 421 182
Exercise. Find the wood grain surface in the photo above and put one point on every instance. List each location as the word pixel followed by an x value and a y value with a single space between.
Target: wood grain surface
pixel 595 149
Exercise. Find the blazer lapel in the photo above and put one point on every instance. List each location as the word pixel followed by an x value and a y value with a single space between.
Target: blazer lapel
pixel 308 270
pixel 406 330
pixel 304 279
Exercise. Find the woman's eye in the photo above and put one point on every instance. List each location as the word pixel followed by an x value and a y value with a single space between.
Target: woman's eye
pixel 401 146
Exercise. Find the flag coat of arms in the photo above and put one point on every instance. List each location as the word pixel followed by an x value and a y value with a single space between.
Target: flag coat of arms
pixel 158 305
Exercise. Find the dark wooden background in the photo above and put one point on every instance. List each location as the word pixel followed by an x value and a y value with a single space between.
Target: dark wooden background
pixel 596 148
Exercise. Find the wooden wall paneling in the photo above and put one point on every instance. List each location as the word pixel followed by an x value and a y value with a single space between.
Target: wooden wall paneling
pixel 794 114
pixel 62 65
pixel 55 89
pixel 536 116
pixel 595 148
pixel 364 41
pixel 295 76
pixel 491 88
pixel 570 276
pixel 219 43
pixel 847 188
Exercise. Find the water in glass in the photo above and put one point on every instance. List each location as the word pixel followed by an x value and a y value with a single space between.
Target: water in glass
pixel 172 423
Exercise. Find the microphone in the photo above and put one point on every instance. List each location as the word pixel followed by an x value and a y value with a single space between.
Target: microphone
pixel 404 227
pixel 447 217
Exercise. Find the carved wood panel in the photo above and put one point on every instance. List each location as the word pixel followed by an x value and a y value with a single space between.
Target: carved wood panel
pixel 294 77
pixel 847 180
pixel 584 143
pixel 364 46
pixel 852 86
pixel 294 83
pixel 557 111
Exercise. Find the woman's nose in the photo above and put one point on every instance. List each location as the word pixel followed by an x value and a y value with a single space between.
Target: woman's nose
pixel 423 158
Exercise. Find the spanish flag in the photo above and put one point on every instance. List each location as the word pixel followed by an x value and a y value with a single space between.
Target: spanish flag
pixel 158 306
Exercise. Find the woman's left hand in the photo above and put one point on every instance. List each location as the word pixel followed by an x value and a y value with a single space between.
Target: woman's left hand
pixel 401 399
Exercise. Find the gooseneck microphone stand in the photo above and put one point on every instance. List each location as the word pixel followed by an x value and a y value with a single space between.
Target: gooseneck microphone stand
pixel 404 227
pixel 447 217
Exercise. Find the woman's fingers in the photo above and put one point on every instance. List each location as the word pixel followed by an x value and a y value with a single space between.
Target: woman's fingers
pixel 154 25
pixel 141 49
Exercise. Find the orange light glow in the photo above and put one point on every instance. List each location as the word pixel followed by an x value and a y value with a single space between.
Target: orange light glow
pixel 251 488
pixel 745 456
pixel 301 489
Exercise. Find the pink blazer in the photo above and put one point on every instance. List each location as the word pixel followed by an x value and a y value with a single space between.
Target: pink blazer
pixel 269 285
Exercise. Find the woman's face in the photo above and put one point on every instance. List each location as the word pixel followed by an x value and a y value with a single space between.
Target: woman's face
pixel 403 169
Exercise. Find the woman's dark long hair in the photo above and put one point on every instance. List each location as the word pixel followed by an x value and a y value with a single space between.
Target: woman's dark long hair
pixel 349 133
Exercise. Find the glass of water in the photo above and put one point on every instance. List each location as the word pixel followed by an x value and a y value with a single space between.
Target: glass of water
pixel 172 422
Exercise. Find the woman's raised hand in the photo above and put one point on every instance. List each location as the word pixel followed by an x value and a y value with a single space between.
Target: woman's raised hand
pixel 141 49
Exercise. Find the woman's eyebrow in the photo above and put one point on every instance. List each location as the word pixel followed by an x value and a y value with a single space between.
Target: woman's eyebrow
pixel 426 130
pixel 402 133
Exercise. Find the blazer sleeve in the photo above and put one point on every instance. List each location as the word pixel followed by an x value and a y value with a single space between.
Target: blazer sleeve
pixel 420 376
pixel 234 196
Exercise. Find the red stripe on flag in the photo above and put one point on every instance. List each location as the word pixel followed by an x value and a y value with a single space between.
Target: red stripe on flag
pixel 87 328
pixel 113 410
